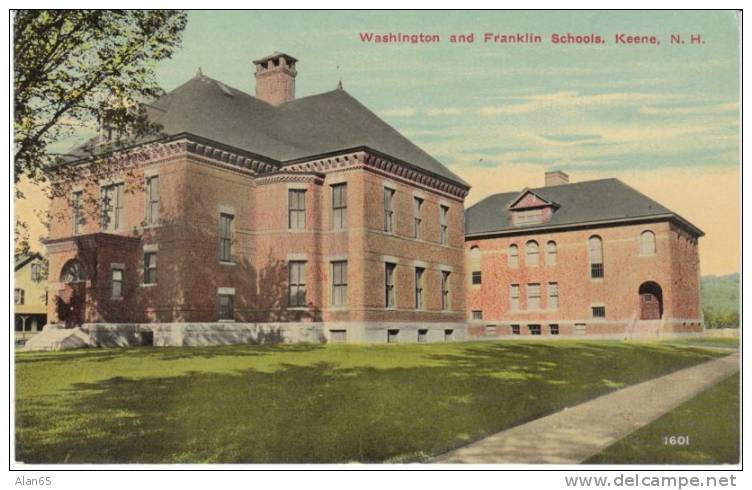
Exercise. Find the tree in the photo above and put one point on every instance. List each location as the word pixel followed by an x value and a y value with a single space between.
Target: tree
pixel 78 69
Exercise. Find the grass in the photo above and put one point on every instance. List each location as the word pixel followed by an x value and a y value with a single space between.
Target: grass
pixel 708 341
pixel 711 420
pixel 309 403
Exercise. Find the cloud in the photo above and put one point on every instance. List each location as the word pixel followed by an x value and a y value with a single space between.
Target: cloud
pixel 705 109
pixel 399 112
pixel 443 111
pixel 571 99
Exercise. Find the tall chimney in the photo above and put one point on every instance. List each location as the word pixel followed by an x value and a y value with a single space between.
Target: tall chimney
pixel 275 78
pixel 556 177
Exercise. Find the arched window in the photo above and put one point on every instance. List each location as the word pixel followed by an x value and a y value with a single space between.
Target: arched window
pixel 514 256
pixel 647 243
pixel 475 264
pixel 551 253
pixel 595 244
pixel 72 272
pixel 531 253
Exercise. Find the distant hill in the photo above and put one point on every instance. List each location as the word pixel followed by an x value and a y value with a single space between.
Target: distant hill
pixel 720 300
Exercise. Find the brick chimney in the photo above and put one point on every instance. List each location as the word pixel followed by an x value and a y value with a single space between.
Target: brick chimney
pixel 556 177
pixel 275 78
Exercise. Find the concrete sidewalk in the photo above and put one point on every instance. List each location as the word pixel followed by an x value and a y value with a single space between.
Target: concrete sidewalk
pixel 576 433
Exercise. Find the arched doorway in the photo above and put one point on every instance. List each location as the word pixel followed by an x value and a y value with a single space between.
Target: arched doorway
pixel 70 302
pixel 651 301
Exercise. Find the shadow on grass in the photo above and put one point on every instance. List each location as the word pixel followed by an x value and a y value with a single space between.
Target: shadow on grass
pixel 323 411
pixel 163 353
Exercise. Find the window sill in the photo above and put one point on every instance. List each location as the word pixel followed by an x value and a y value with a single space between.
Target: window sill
pixel 222 262
pixel 300 308
pixel 117 299
pixel 596 279
pixel 225 321
pixel 147 285
pixel 337 308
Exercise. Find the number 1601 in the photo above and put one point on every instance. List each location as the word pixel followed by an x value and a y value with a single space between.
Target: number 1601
pixel 676 440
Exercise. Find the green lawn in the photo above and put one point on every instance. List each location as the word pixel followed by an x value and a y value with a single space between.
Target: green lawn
pixel 708 341
pixel 309 403
pixel 711 420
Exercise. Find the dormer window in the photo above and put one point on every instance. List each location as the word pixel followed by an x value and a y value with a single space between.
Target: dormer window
pixel 531 209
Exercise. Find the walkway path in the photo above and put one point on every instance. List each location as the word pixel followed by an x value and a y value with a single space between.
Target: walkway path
pixel 576 433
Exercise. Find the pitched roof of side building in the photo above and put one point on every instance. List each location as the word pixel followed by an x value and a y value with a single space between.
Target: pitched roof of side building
pixel 302 128
pixel 581 204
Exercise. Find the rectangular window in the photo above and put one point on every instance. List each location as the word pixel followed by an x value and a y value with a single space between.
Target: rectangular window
pixel 225 237
pixel 579 328
pixel 226 307
pixel 448 335
pixel 78 209
pixel 388 210
pixel 417 218
pixel 477 315
pixel 596 270
pixel 297 283
pixel 554 329
pixel 391 336
pixel 152 200
pixel 112 207
pixel 423 335
pixel 476 277
pixel 553 296
pixel 339 283
pixel 515 329
pixel 445 290
pixel 117 283
pixel 599 311
pixel 389 284
pixel 533 296
pixel 443 225
pixel 339 206
pixel 36 272
pixel 338 336
pixel 150 268
pixel 296 204
pixel 514 297
pixel 19 296
pixel 419 287
pixel 534 329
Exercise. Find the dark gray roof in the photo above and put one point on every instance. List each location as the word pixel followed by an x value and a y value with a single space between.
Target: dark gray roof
pixel 581 203
pixel 315 125
pixel 23 259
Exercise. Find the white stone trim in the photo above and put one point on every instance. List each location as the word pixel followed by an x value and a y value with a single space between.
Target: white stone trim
pixel 420 263
pixel 151 247
pixel 443 267
pixel 229 291
pixel 302 186
pixel 390 185
pixel 335 179
pixel 151 172
pixel 117 265
pixel 224 209
pixel 419 195
pixel 297 257
pixel 391 259
pixel 336 258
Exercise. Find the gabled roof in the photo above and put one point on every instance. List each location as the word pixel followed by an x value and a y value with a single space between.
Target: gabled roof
pixel 541 202
pixel 580 204
pixel 302 128
pixel 23 259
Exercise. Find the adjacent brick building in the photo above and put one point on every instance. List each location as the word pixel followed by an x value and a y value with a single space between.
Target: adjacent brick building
pixel 593 258
pixel 271 218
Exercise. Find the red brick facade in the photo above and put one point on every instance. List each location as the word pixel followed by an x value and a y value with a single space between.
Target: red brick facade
pixel 195 187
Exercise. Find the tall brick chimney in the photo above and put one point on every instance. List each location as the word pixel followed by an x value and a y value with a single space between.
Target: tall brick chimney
pixel 556 177
pixel 275 78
